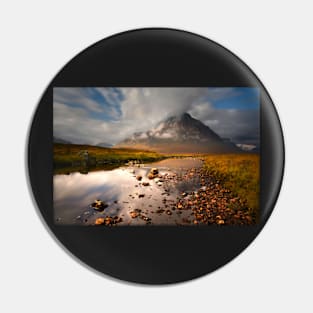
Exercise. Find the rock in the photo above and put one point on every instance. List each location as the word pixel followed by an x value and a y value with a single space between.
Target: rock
pixel 146 218
pixel 220 222
pixel 159 211
pixel 99 205
pixel 168 212
pixel 99 221
pixel 145 183
pixel 141 195
pixel 139 177
pixel 108 221
pixel 154 171
pixel 135 213
pixel 159 184
pixel 150 176
pixel 117 219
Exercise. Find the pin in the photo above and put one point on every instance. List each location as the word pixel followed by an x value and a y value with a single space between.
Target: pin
pixel 155 156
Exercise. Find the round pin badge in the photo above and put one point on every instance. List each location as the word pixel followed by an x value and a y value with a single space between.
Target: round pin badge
pixel 155 156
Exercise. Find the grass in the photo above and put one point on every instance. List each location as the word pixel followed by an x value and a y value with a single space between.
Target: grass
pixel 237 172
pixel 240 173
pixel 67 156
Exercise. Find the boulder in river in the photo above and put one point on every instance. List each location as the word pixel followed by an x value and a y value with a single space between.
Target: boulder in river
pixel 99 205
pixel 135 213
pixel 153 173
pixel 99 221
pixel 150 176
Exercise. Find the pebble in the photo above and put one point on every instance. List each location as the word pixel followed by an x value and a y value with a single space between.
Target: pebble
pixel 99 221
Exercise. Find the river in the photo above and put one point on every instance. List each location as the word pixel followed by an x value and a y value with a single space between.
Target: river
pixel 123 193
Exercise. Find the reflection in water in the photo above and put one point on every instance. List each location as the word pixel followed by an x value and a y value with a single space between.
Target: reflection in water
pixel 119 188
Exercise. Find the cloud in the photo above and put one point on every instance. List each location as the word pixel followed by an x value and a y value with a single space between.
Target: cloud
pixel 239 125
pixel 93 115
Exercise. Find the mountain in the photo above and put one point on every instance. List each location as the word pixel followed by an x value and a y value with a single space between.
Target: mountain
pixel 104 145
pixel 246 147
pixel 179 134
pixel 60 140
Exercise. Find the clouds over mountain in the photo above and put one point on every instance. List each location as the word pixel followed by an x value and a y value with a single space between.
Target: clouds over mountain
pixel 92 115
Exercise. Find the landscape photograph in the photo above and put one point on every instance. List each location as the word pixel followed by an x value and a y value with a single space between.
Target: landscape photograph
pixel 147 156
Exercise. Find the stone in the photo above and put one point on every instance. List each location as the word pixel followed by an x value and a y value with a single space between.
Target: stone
pixel 135 213
pixel 159 211
pixel 145 218
pixel 99 221
pixel 145 183
pixel 139 177
pixel 99 205
pixel 154 171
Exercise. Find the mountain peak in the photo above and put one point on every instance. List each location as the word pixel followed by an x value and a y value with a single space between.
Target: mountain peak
pixel 186 115
pixel 179 117
pixel 180 133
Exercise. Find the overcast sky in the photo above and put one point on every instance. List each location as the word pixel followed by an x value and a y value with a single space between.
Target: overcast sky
pixel 94 115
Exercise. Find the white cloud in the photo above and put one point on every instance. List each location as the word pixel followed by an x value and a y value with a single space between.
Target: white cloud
pixel 141 109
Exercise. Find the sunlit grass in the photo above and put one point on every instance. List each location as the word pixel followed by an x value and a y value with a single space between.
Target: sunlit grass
pixel 240 173
pixel 65 155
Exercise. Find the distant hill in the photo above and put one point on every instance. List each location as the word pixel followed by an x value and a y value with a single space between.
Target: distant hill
pixel 104 145
pixel 179 134
pixel 245 147
pixel 60 140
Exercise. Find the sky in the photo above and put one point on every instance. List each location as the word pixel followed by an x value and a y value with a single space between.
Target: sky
pixel 96 115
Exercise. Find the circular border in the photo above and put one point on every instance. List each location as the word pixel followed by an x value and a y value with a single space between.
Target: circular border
pixel 40 162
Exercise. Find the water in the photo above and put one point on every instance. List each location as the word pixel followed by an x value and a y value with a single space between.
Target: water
pixel 119 188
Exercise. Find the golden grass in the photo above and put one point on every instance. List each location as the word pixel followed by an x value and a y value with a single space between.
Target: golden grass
pixel 240 173
pixel 66 154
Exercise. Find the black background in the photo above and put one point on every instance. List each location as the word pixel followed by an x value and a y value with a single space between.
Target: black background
pixel 154 57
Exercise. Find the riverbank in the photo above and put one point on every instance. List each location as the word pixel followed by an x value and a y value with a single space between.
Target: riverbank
pixel 182 191
pixel 69 158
